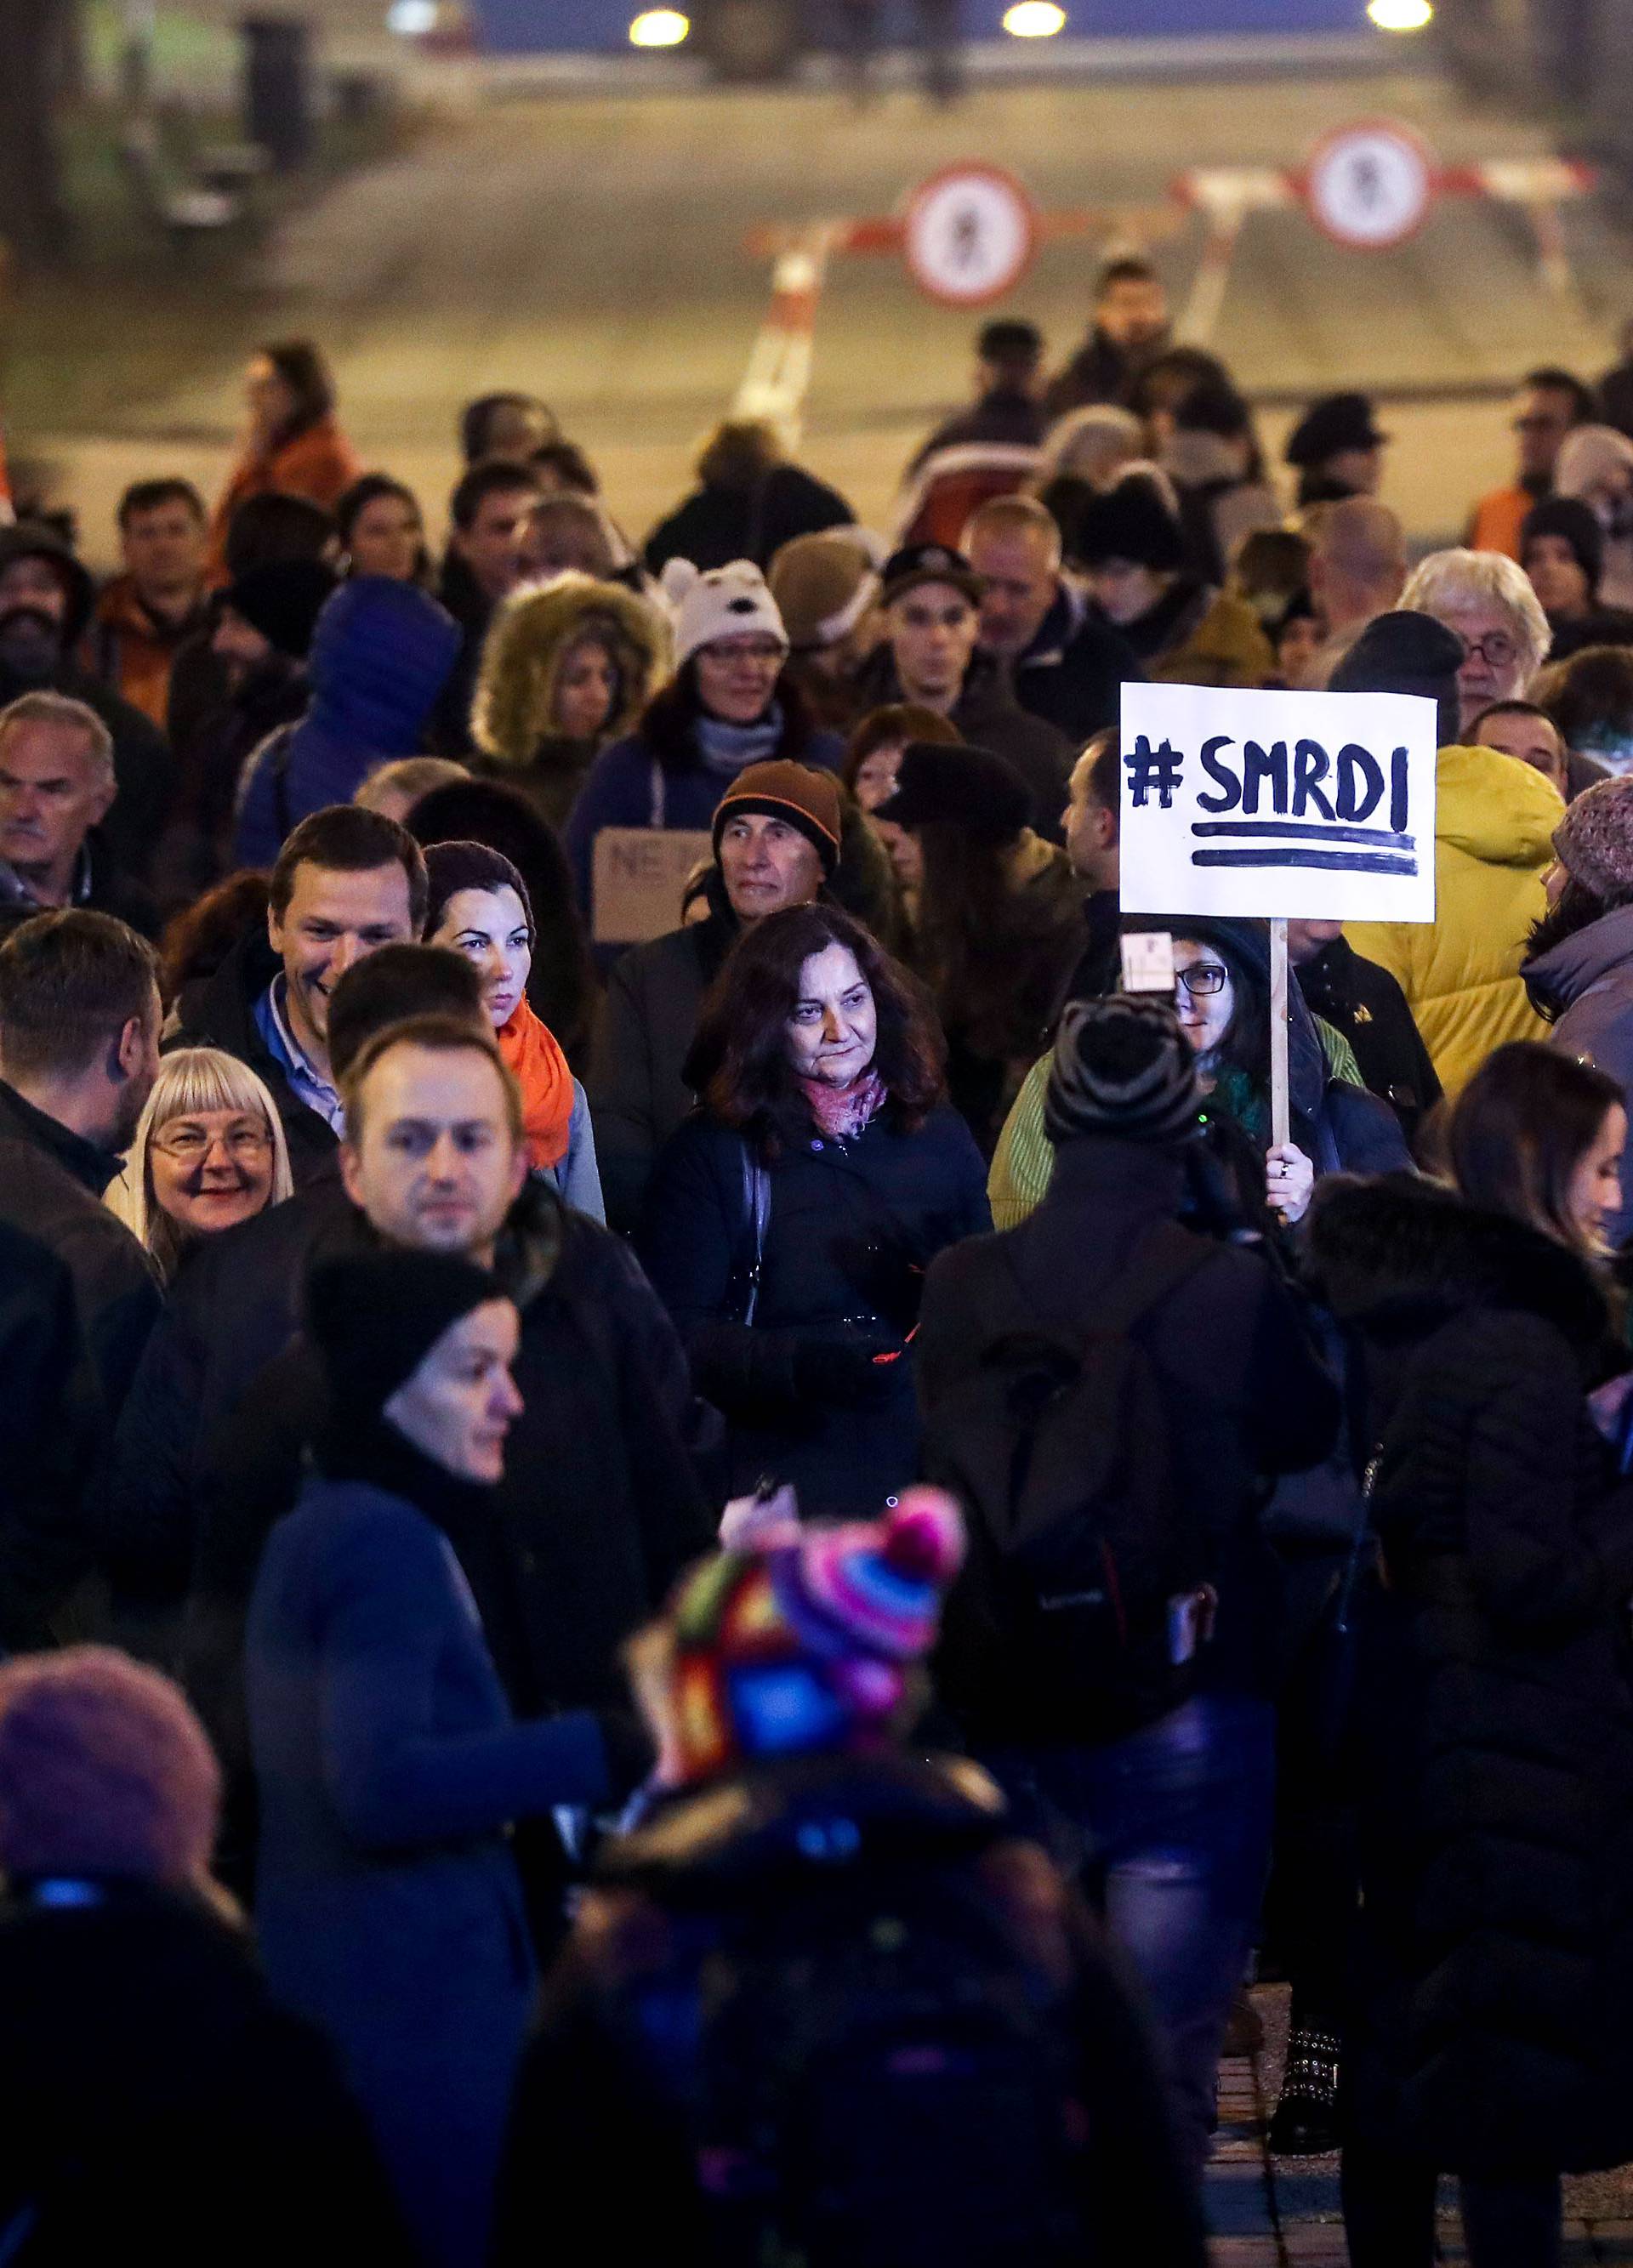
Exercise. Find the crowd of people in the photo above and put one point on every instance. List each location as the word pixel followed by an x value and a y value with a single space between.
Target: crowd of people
pixel 700 1545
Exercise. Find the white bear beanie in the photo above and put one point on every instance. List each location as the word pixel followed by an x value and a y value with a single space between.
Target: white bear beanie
pixel 731 601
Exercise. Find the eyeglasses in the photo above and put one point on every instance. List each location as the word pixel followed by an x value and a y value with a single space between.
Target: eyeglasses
pixel 1203 978
pixel 246 1145
pixel 1496 649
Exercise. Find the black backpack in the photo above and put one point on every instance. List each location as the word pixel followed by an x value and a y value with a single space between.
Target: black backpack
pixel 1083 1601
pixel 881 2082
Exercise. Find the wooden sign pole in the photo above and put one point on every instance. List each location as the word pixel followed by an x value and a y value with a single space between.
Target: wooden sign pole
pixel 1280 1132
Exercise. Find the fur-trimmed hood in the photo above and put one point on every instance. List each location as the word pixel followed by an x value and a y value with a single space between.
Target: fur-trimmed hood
pixel 514 705
pixel 1398 1257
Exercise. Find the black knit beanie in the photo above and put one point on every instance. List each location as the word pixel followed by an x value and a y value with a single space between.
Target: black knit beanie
pixel 958 786
pixel 374 1317
pixel 1406 652
pixel 1578 524
pixel 283 600
pixel 451 867
pixel 1122 1066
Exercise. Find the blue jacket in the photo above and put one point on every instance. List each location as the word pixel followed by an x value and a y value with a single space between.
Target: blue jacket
pixel 629 786
pixel 380 655
pixel 387 1904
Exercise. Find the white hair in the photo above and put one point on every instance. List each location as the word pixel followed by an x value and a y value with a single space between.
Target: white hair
pixel 192 1078
pixel 1452 579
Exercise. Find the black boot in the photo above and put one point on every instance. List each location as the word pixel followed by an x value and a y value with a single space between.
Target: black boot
pixel 1305 2125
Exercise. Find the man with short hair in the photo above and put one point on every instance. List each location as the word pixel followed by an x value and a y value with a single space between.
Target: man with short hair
pixel 1007 408
pixel 145 616
pixel 347 881
pixel 1130 329
pixel 931 600
pixel 1522 730
pixel 1357 571
pixel 56 782
pixel 46 601
pixel 507 427
pixel 777 836
pixel 79 1018
pixel 491 515
pixel 1549 404
pixel 1065 665
pixel 1094 845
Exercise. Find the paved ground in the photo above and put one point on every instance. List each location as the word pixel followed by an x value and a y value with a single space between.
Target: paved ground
pixel 590 247
pixel 1283 2213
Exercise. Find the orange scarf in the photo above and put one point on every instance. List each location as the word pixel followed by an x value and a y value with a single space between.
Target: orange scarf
pixel 530 1049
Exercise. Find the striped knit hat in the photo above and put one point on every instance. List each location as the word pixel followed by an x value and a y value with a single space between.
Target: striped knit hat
pixel 1122 1066
pixel 805 1641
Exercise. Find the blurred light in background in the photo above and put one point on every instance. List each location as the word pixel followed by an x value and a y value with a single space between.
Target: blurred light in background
pixel 1400 15
pixel 1034 19
pixel 412 18
pixel 659 27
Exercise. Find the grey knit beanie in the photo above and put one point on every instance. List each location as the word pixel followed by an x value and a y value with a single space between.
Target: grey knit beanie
pixel 1122 1066
pixel 1593 842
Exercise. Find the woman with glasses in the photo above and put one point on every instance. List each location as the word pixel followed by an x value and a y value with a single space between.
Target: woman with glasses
pixel 209 1151
pixel 730 704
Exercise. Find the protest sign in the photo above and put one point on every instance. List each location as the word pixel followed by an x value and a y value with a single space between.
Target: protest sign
pixel 639 876
pixel 1316 804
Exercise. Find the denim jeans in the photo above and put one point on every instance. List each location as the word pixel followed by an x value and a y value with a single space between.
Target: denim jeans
pixel 1170 1830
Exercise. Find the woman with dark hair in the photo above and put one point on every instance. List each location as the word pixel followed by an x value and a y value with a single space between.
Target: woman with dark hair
pixel 789 1222
pixel 1492 1979
pixel 997 919
pixel 729 704
pixel 293 442
pixel 1223 998
pixel 561 983
pixel 382 530
pixel 478 906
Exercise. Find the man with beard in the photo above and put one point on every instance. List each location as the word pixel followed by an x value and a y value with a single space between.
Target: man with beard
pixel 45 600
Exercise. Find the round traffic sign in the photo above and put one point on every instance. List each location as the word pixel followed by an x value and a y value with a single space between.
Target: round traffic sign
pixel 969 234
pixel 1371 185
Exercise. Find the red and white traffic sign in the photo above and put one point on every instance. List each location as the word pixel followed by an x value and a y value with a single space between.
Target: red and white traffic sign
pixel 969 234
pixel 1371 185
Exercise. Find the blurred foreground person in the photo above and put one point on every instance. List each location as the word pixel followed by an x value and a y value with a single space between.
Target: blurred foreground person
pixel 156 2105
pixel 389 1905
pixel 479 906
pixel 825 2000
pixel 1491 2002
pixel 1109 1648
pixel 788 1223
pixel 208 1151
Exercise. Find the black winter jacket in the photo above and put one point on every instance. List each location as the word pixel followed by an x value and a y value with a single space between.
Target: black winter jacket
pixel 610 2080
pixel 853 1226
pixel 1493 2018
pixel 52 1426
pixel 1364 1002
pixel 156 2105
pixel 1248 1395
pixel 1072 673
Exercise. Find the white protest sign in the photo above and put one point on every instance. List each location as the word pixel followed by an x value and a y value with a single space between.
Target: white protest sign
pixel 1317 806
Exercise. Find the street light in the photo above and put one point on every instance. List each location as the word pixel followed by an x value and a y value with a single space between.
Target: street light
pixel 1400 15
pixel 1034 19
pixel 659 27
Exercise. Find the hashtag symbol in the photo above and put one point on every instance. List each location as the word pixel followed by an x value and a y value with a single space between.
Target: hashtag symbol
pixel 1151 768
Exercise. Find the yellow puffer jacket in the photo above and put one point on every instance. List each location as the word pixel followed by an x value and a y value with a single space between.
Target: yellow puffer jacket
pixel 1494 826
pixel 1225 647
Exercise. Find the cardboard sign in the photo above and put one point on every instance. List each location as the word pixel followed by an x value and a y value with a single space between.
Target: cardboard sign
pixel 1319 806
pixel 639 876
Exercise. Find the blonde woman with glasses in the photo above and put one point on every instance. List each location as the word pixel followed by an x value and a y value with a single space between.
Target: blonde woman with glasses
pixel 209 1151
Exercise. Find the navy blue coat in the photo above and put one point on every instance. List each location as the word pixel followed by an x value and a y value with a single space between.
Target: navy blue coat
pixel 852 1229
pixel 387 1904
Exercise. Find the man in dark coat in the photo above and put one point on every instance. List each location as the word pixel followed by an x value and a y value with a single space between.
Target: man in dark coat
pixel 45 600
pixel 931 598
pixel 56 784
pixel 347 881
pixel 1006 411
pixel 79 1018
pixel 51 1425
pixel 1130 329
pixel 1066 666
pixel 1184 1795
pixel 750 501
pixel 1365 1004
